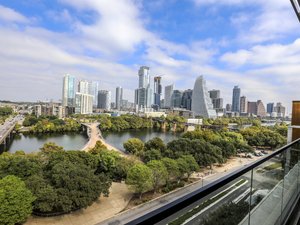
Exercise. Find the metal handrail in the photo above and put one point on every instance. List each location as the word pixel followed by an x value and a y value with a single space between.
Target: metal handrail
pixel 169 209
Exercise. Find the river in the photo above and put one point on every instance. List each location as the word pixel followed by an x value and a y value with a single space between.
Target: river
pixel 75 141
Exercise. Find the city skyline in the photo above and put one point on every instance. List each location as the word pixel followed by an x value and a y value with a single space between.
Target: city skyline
pixel 226 57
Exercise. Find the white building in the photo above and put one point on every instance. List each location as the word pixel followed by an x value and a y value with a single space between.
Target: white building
pixel 144 94
pixel 83 103
pixel 201 102
pixel 93 90
pixel 68 92
pixel 119 98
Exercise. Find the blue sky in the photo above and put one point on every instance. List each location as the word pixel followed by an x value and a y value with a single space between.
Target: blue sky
pixel 251 43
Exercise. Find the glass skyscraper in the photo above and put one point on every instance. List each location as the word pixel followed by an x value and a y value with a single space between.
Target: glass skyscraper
pixel 68 95
pixel 236 95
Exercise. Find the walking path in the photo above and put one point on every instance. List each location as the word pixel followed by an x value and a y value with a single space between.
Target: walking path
pixel 94 136
pixel 102 209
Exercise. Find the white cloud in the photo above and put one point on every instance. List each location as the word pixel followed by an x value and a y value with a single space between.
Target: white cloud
pixel 10 15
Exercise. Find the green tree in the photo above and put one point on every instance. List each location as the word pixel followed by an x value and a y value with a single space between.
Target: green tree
pixel 16 201
pixel 152 154
pixel 140 179
pixel 134 146
pixel 159 172
pixel 51 147
pixel 99 146
pixel 172 168
pixel 155 143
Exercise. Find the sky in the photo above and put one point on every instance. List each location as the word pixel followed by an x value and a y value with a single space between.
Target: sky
pixel 251 43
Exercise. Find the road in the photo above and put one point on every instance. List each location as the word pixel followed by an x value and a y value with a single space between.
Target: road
pixel 9 123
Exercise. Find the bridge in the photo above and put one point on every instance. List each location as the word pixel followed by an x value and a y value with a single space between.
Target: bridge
pixel 7 128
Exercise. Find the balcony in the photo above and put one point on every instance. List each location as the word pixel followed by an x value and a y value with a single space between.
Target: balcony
pixel 265 192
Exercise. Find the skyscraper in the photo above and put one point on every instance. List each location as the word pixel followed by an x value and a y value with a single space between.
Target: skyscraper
pixel 270 108
pixel 168 95
pixel 83 103
pixel 83 87
pixel 187 99
pixel 157 91
pixel 201 102
pixel 68 95
pixel 119 97
pixel 144 77
pixel 236 99
pixel 93 90
pixel 228 108
pixel 261 110
pixel 144 94
pixel 279 109
pixel 217 101
pixel 243 104
pixel 176 99
pixel 104 100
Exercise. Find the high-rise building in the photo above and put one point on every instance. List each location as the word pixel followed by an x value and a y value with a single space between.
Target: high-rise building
pixel 252 108
pixel 243 105
pixel 144 94
pixel 217 101
pixel 83 87
pixel 270 108
pixel 176 99
pixel 157 91
pixel 201 102
pixel 119 97
pixel 144 77
pixel 279 109
pixel 236 94
pixel 257 108
pixel 104 100
pixel 214 94
pixel 83 103
pixel 261 110
pixel 228 107
pixel 187 99
pixel 168 95
pixel 93 90
pixel 68 95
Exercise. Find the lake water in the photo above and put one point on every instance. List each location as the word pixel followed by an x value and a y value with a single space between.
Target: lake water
pixel 73 141
pixel 31 143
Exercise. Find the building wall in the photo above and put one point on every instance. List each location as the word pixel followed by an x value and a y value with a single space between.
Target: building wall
pixel 296 120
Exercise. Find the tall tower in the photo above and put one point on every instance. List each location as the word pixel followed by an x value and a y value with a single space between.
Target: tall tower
pixel 68 92
pixel 236 94
pixel 144 77
pixel 243 104
pixel 144 94
pixel 104 99
pixel 201 102
pixel 168 95
pixel 93 90
pixel 157 91
pixel 119 97
pixel 83 87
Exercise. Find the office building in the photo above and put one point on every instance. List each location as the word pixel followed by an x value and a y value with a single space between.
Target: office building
pixel 243 104
pixel 270 108
pixel 83 87
pixel 104 100
pixel 236 94
pixel 144 94
pixel 187 99
pixel 93 90
pixel 168 95
pixel 279 109
pixel 68 95
pixel 228 107
pixel 213 94
pixel 251 109
pixel 257 108
pixel 157 92
pixel 201 102
pixel 176 99
pixel 119 98
pixel 83 103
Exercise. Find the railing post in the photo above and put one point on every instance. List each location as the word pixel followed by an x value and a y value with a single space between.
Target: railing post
pixel 251 189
